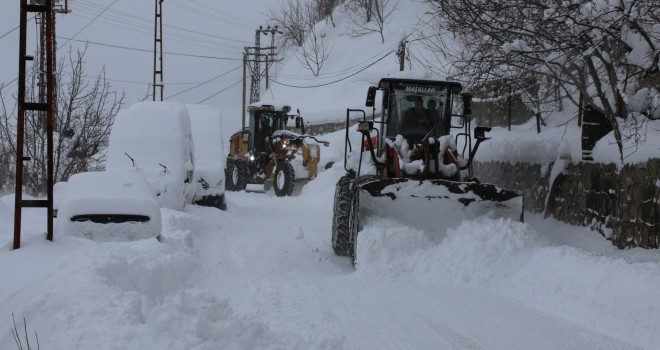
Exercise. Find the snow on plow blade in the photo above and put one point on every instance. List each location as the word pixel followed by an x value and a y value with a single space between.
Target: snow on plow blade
pixel 434 205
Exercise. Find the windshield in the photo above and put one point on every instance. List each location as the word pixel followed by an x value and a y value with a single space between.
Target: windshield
pixel 263 124
pixel 414 112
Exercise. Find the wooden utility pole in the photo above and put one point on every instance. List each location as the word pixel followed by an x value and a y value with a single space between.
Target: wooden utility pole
pixel 158 50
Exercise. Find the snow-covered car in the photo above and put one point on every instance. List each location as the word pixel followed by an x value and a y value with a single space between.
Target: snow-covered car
pixel 206 122
pixel 156 139
pixel 108 206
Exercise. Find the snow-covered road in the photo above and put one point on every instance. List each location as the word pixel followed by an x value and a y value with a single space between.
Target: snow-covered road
pixel 273 262
pixel 263 275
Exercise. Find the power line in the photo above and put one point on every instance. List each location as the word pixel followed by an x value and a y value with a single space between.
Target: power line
pixel 336 81
pixel 12 30
pixel 116 15
pixel 332 74
pixel 150 51
pixel 221 91
pixel 145 29
pixel 206 82
pixel 90 22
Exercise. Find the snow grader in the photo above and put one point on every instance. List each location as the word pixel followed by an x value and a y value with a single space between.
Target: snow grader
pixel 408 166
pixel 267 153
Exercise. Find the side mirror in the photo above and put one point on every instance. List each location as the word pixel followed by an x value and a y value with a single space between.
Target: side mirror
pixel 480 133
pixel 298 122
pixel 467 104
pixel 371 96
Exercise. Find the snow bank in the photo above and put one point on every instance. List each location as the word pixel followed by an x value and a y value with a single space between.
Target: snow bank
pixel 595 289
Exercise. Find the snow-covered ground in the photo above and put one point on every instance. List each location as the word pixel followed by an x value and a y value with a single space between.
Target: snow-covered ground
pixel 263 275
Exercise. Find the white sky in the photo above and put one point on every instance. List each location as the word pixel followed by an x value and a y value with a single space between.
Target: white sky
pixel 212 28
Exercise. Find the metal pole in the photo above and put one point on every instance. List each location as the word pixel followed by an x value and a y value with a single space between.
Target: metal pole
pixel 18 196
pixel 402 55
pixel 244 87
pixel 50 93
pixel 158 49
pixel 509 100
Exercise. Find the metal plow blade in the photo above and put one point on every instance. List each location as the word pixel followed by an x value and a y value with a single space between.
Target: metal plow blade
pixel 435 205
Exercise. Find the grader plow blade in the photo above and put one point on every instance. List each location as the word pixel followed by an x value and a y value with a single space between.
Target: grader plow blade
pixel 434 205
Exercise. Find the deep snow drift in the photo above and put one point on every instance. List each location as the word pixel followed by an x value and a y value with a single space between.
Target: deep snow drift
pixel 230 280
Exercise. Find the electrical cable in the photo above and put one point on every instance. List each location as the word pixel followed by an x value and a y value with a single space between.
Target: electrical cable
pixel 336 81
pixel 176 37
pixel 204 83
pixel 92 21
pixel 12 30
pixel 333 74
pixel 221 91
pixel 151 51
pixel 116 15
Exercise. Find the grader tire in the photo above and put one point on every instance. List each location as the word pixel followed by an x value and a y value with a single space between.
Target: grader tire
pixel 237 174
pixel 355 226
pixel 284 179
pixel 340 216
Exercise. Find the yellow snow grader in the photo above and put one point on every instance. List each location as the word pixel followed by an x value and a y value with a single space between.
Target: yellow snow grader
pixel 408 166
pixel 267 153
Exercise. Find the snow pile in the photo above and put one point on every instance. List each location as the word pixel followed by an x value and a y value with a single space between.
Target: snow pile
pixel 210 157
pixel 509 258
pixel 108 193
pixel 5 216
pixel 156 138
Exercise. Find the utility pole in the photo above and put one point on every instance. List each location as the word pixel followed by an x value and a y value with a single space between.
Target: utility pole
pixel 401 54
pixel 255 88
pixel 245 60
pixel 44 108
pixel 273 31
pixel 256 70
pixel 158 50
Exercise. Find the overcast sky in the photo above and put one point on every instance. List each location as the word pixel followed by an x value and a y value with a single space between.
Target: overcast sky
pixel 120 35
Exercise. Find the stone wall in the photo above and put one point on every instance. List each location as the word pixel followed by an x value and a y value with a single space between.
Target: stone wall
pixel 328 127
pixel 622 204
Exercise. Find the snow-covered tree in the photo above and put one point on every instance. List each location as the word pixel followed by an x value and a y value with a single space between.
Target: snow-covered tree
pixel 607 51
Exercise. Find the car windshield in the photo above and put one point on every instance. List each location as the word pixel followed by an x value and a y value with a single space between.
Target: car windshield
pixel 415 112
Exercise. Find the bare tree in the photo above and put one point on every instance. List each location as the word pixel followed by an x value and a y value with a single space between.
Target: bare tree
pixel 314 51
pixel 607 52
pixel 298 20
pixel 293 18
pixel 85 113
pixel 370 16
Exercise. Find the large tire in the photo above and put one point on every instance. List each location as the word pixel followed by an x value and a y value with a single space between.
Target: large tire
pixel 237 174
pixel 284 178
pixel 340 216
pixel 355 226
